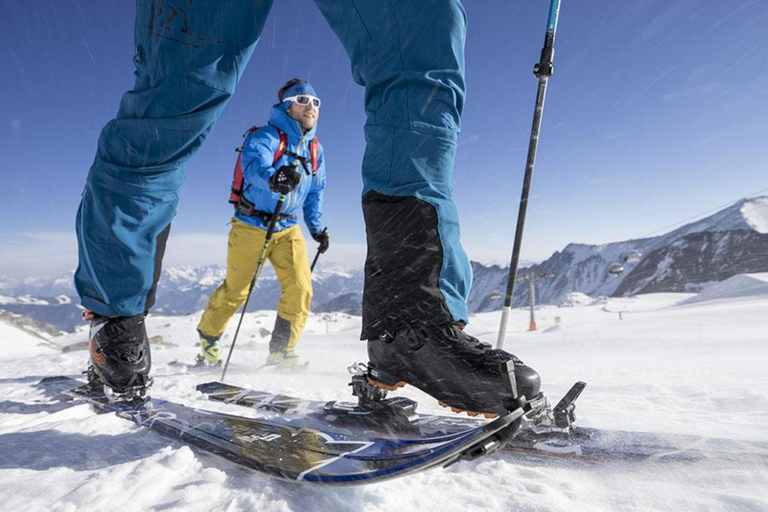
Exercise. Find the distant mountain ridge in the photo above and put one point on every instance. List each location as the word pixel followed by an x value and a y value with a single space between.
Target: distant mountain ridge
pixel 688 259
pixel 181 291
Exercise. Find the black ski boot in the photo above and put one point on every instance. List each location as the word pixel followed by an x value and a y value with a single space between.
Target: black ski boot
pixel 458 370
pixel 120 355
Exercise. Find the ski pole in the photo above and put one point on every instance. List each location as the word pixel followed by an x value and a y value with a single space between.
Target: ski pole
pixel 542 70
pixel 314 262
pixel 259 266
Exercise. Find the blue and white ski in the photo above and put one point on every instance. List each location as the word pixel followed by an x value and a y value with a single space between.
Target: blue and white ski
pixel 397 419
pixel 298 452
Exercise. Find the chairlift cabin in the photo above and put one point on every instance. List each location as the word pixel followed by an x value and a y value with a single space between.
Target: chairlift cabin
pixel 632 257
pixel 615 269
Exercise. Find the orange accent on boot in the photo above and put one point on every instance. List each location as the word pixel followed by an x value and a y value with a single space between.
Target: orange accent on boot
pixel 472 414
pixel 461 325
pixel 96 355
pixel 386 386
pixel 90 315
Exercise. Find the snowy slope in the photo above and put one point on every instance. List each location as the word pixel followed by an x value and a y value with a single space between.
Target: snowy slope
pixel 16 342
pixel 737 287
pixel 665 367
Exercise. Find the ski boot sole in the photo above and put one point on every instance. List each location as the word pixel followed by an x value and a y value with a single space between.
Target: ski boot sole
pixel 388 387
pixel 457 410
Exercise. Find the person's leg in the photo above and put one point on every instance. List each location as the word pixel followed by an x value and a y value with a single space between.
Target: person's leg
pixel 188 59
pixel 410 58
pixel 245 243
pixel 289 259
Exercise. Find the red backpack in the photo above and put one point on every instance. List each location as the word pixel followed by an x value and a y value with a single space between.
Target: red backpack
pixel 236 195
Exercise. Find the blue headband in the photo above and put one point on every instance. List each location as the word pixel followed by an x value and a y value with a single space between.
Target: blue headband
pixel 300 88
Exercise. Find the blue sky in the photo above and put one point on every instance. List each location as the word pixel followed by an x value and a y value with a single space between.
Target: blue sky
pixel 657 113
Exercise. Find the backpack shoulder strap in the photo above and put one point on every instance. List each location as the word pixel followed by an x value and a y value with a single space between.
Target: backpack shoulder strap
pixel 314 153
pixel 282 145
pixel 236 192
pixel 249 131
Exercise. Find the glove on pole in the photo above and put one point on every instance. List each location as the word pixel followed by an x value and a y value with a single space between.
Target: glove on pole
pixel 320 250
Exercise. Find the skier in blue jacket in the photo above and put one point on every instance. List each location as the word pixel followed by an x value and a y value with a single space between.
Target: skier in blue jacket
pixel 409 56
pixel 281 157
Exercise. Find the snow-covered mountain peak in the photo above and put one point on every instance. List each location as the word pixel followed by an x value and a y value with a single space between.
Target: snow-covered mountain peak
pixel 755 212
pixel 746 214
pixel 207 275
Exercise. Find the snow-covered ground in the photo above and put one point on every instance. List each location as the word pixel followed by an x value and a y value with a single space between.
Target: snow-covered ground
pixel 694 368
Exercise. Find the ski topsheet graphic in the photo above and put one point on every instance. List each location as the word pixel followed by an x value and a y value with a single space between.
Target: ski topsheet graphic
pixel 297 452
pixel 398 420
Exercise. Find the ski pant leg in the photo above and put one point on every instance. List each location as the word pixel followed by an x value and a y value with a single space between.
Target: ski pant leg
pixel 410 58
pixel 244 246
pixel 289 259
pixel 189 57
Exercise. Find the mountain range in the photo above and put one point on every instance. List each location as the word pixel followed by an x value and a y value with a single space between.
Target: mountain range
pixel 688 259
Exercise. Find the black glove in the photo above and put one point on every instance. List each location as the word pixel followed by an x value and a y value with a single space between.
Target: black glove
pixel 324 239
pixel 285 179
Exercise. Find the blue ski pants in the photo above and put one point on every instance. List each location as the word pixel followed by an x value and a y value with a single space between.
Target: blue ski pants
pixel 409 56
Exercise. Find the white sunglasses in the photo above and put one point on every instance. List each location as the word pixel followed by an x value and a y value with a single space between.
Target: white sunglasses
pixel 304 100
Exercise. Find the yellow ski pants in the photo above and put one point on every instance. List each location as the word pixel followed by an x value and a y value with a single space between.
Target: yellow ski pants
pixel 287 253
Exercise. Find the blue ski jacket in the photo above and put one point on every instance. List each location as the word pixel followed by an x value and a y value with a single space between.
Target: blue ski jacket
pixel 259 152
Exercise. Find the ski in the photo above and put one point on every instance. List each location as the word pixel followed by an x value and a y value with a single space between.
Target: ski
pixel 297 452
pixel 396 418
